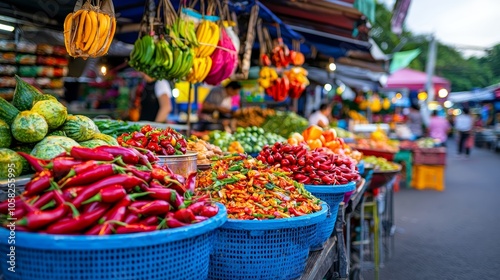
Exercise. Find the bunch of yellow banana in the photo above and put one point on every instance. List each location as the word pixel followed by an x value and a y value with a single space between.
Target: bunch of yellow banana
pixel 267 76
pixel 199 71
pixel 208 35
pixel 88 32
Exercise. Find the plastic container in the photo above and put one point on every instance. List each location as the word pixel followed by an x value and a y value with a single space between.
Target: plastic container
pixel 429 156
pixel 333 195
pixel 181 253
pixel 267 249
pixel 181 164
pixel 381 178
pixel 361 167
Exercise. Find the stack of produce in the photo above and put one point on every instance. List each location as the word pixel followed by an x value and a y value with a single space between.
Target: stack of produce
pixel 285 123
pixel 115 128
pixel 252 190
pixel 380 163
pixel 205 151
pixel 37 123
pixel 252 116
pixel 315 137
pixel 158 141
pixel 105 191
pixel 316 167
pixel 342 133
pixel 298 81
pixel 427 142
pixel 391 146
pixel 253 139
pixel 89 31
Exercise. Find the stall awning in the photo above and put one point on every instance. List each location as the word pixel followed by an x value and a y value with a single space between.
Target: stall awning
pixel 414 80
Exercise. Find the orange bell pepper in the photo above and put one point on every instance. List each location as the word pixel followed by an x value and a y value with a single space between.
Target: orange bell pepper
pixel 323 140
pixel 293 141
pixel 313 144
pixel 330 134
pixel 313 132
pixel 332 145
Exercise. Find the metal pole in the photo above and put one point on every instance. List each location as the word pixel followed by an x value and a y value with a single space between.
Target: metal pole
pixel 429 69
pixel 189 112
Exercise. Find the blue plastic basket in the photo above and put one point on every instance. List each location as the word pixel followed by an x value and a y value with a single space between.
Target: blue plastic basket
pixel 333 195
pixel 267 249
pixel 361 167
pixel 181 253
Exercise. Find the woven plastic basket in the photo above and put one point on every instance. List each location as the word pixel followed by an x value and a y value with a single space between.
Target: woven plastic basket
pixel 267 249
pixel 181 253
pixel 333 195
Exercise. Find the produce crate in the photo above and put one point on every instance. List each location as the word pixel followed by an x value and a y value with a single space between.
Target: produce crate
pixel 180 253
pixel 430 156
pixel 264 249
pixel 378 153
pixel 428 177
pixel 333 195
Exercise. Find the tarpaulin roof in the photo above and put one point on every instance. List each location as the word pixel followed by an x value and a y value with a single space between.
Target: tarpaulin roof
pixel 414 80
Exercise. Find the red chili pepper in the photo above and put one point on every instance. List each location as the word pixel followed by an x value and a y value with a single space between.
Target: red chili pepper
pixel 131 218
pixel 116 214
pixel 38 219
pixel 200 219
pixel 151 156
pixel 126 181
pixel 295 212
pixel 36 164
pixel 108 195
pixel 197 207
pixel 4 206
pixel 84 153
pixel 209 211
pixel 144 175
pixel 157 207
pixel 190 183
pixel 127 154
pixel 157 191
pixel 138 204
pixel 71 193
pixel 150 221
pixel 92 175
pixel 39 184
pixel 134 228
pixel 143 160
pixel 78 222
pixel 172 222
pixel 61 166
pixel 184 215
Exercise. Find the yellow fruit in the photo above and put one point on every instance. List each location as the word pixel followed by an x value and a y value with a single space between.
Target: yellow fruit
pixel 93 31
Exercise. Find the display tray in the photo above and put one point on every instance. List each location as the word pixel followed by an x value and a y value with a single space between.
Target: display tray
pixel 205 166
pixel 380 178
pixel 388 155
pixel 20 181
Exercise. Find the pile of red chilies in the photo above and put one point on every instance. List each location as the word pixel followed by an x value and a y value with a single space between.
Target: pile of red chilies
pixel 105 190
pixel 317 167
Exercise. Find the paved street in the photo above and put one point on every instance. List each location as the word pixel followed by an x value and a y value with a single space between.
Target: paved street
pixel 450 235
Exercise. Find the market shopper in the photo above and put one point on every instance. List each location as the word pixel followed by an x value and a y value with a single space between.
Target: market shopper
pixel 321 116
pixel 155 100
pixel 415 121
pixel 463 125
pixel 439 127
pixel 218 104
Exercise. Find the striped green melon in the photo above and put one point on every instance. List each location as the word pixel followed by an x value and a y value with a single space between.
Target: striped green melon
pixel 11 164
pixel 41 97
pixel 24 95
pixel 29 127
pixel 5 136
pixel 79 128
pixel 52 146
pixel 92 143
pixel 7 111
pixel 57 133
pixel 106 138
pixel 54 112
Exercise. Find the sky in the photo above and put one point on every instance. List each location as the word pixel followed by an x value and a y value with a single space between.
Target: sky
pixel 456 22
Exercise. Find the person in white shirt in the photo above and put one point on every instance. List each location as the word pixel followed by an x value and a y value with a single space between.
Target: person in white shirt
pixel 155 100
pixel 463 124
pixel 321 116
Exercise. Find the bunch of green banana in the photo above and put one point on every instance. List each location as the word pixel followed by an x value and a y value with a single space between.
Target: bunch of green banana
pixel 199 71
pixel 142 53
pixel 208 34
pixel 183 34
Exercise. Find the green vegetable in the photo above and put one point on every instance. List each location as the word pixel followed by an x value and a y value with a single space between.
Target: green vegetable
pixel 29 127
pixel 7 111
pixel 92 143
pixel 79 128
pixel 57 133
pixel 252 139
pixel 116 128
pixel 5 136
pixel 11 164
pixel 54 112
pixel 24 95
pixel 53 146
pixel 285 123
